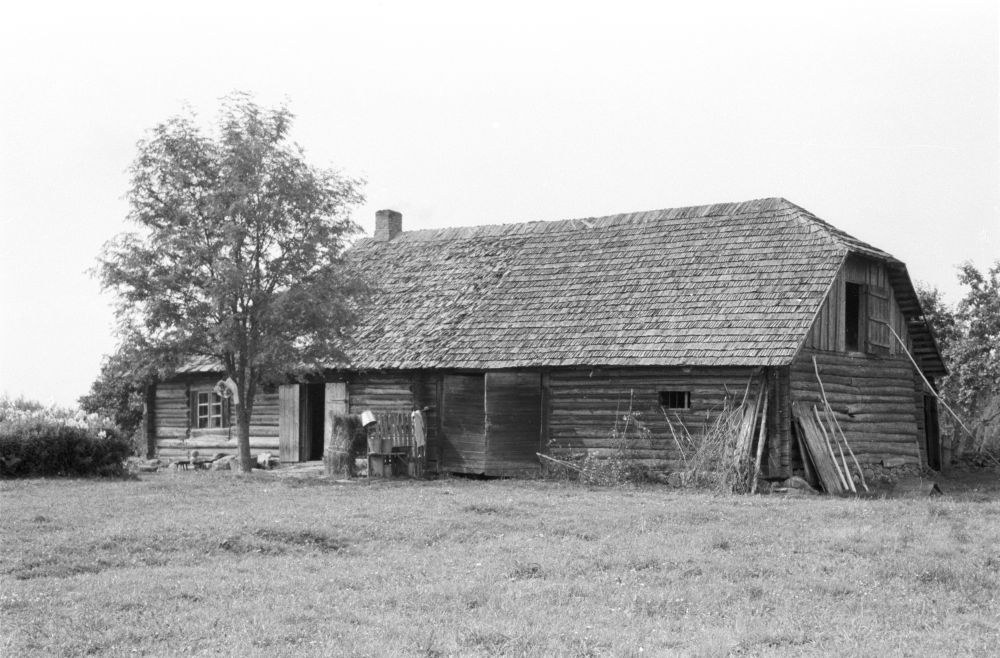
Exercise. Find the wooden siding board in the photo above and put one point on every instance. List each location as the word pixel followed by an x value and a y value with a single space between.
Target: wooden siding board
pixel 388 392
pixel 880 312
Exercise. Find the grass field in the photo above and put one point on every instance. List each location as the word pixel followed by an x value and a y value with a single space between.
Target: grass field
pixel 210 563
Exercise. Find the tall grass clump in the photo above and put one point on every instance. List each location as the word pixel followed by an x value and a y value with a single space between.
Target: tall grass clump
pixel 612 466
pixel 38 440
pixel 617 466
pixel 719 457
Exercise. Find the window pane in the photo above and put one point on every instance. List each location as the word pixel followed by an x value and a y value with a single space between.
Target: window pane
pixel 209 410
pixel 675 399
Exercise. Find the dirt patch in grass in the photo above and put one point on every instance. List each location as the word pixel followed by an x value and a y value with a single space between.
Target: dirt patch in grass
pixel 481 508
pixel 275 541
pixel 526 571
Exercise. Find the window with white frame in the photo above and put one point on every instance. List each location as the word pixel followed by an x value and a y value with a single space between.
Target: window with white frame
pixel 209 410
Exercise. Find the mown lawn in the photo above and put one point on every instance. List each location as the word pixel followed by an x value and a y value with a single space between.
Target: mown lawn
pixel 216 564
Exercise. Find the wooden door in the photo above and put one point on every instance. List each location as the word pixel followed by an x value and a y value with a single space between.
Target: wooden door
pixel 514 421
pixel 463 423
pixel 878 321
pixel 289 415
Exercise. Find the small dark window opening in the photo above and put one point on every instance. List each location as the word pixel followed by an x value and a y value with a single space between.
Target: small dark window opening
pixel 852 317
pixel 675 399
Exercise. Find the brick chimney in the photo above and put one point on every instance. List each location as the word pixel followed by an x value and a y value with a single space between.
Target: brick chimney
pixel 388 224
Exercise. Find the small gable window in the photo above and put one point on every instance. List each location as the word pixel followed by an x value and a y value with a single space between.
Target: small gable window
pixel 675 399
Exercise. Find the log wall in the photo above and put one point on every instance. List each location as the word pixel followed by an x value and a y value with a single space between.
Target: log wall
pixel 874 399
pixel 175 437
pixel 380 393
pixel 583 407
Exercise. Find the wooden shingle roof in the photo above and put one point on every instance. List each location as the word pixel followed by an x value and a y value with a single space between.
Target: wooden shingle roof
pixel 727 284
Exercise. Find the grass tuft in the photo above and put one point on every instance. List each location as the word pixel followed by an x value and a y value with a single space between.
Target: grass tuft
pixel 526 571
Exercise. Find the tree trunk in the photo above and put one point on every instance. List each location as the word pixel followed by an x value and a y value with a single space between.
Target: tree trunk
pixel 243 413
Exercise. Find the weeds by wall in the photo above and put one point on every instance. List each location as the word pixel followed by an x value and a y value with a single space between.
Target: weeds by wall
pixel 718 456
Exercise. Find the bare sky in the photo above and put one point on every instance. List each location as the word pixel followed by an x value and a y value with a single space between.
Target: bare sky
pixel 880 117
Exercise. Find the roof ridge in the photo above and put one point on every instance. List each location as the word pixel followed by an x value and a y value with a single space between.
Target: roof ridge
pixel 519 229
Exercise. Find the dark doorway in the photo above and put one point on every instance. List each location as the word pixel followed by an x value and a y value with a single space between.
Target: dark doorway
pixel 311 424
pixel 932 433
pixel 852 317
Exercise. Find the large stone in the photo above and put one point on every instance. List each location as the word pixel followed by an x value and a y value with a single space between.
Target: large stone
pixel 229 462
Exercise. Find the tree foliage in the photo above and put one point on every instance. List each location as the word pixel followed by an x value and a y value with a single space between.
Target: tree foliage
pixel 118 391
pixel 969 338
pixel 238 256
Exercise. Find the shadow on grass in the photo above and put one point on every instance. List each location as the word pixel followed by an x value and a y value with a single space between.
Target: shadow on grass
pixel 273 541
pixel 141 551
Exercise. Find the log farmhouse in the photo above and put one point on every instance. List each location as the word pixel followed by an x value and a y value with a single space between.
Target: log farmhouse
pixel 536 337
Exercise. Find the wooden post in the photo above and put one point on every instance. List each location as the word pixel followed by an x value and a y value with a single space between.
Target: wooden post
pixel 149 421
pixel 288 422
pixel 335 403
pixel 761 439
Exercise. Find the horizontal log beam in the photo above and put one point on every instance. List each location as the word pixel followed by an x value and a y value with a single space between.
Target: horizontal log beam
pixel 211 442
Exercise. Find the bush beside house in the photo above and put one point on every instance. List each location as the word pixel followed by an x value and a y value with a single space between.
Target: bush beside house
pixel 48 441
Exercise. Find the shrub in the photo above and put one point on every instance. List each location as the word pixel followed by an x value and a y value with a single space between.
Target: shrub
pixel 40 441
pixel 39 448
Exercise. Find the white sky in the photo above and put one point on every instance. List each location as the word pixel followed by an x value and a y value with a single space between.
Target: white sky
pixel 880 117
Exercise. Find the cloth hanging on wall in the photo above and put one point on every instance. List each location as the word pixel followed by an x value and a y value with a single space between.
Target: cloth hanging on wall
pixel 419 428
